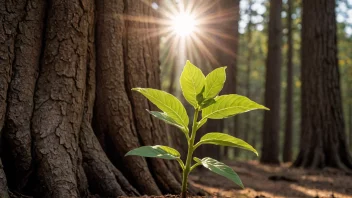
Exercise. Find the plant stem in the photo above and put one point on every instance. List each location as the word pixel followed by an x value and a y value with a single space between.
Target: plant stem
pixel 189 155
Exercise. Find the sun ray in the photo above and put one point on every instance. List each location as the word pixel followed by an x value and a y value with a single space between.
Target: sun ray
pixel 203 49
pixel 188 30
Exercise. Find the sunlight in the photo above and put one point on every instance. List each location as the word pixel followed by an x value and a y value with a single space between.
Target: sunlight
pixel 183 24
pixel 192 30
pixel 316 192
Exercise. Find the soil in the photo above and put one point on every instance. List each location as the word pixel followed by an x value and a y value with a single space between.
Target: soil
pixel 264 181
pixel 168 196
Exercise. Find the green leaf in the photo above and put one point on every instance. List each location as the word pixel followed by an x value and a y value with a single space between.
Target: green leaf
pixel 214 82
pixel 168 103
pixel 221 169
pixel 207 103
pixel 225 140
pixel 192 81
pixel 164 117
pixel 230 105
pixel 157 151
pixel 200 97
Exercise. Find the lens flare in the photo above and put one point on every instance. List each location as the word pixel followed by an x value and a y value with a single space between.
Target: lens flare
pixel 183 24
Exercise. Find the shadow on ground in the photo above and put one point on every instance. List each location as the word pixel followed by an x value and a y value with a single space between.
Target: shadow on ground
pixel 263 181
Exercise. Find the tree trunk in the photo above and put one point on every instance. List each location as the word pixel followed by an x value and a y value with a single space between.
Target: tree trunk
pixel 350 121
pixel 20 51
pixel 287 152
pixel 229 9
pixel 247 128
pixel 65 65
pixel 225 36
pixel 323 138
pixel 271 127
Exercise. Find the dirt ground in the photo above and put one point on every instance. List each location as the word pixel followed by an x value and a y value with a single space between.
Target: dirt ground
pixel 262 181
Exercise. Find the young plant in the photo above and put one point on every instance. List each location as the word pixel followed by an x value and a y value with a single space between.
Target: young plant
pixel 202 93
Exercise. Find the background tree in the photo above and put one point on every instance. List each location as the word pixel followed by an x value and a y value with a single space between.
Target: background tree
pixel 271 127
pixel 224 36
pixel 229 58
pixel 323 138
pixel 66 65
pixel 287 148
pixel 247 128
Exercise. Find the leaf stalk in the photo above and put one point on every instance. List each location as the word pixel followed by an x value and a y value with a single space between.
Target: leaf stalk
pixel 191 149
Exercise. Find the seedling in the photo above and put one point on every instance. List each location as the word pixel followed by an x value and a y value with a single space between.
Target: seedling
pixel 203 94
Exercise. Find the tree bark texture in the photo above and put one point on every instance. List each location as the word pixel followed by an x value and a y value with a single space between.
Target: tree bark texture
pixel 271 127
pixel 67 112
pixel 323 138
pixel 287 152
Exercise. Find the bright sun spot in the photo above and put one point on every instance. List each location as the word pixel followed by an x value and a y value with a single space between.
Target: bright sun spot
pixel 183 24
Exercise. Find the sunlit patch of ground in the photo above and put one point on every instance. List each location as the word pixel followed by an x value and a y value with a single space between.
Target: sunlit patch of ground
pixel 276 181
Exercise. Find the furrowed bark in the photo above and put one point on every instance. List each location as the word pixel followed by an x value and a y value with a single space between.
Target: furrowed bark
pixel 143 72
pixel 104 179
pixel 3 183
pixel 21 89
pixel 114 115
pixel 59 99
pixel 323 138
pixel 55 58
pixel 9 17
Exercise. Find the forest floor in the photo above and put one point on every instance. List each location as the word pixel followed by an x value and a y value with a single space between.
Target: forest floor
pixel 263 181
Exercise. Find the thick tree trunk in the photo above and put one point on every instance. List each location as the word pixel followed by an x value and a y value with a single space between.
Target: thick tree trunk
pixel 287 152
pixel 21 90
pixel 63 66
pixel 59 100
pixel 112 102
pixel 323 139
pixel 3 183
pixel 11 21
pixel 271 127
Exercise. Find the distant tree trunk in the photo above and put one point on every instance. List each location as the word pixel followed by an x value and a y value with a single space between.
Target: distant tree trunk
pixel 224 36
pixel 64 65
pixel 230 8
pixel 287 152
pixel 350 121
pixel 247 128
pixel 271 127
pixel 323 138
